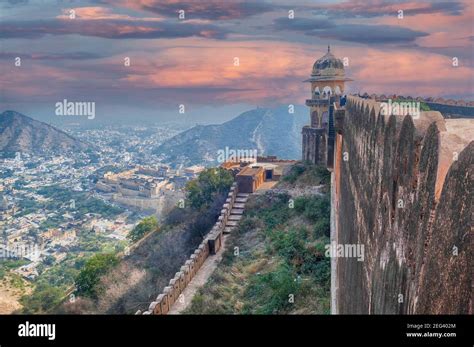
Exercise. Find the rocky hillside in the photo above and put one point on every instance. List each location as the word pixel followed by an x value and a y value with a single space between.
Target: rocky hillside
pixel 19 133
pixel 269 131
pixel 131 280
pixel 274 262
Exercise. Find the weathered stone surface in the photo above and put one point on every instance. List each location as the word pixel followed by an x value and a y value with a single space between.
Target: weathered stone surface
pixel 402 196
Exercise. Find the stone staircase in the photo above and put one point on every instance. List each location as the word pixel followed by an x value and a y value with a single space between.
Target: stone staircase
pixel 236 212
pixel 231 213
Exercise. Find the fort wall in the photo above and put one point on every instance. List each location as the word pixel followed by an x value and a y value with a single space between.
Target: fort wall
pixel 402 187
pixel 211 244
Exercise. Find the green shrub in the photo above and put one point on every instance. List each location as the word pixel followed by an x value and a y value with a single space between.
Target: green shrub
pixel 314 207
pixel 145 226
pixel 43 298
pixel 323 174
pixel 49 260
pixel 89 277
pixel 245 225
pixel 322 228
pixel 290 244
pixel 321 272
pixel 307 174
pixel 12 263
pixel 269 293
pixel 273 211
pixel 295 172
pixel 200 193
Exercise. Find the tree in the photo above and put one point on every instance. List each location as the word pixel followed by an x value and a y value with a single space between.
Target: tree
pixel 89 277
pixel 49 260
pixel 210 183
pixel 145 226
pixel 43 299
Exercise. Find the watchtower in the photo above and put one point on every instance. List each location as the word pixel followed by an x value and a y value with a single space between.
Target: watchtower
pixel 327 85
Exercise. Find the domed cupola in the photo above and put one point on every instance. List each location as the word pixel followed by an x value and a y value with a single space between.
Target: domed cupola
pixel 328 67
pixel 327 93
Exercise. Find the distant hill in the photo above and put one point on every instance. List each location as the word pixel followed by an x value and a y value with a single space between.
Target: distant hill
pixel 19 133
pixel 270 131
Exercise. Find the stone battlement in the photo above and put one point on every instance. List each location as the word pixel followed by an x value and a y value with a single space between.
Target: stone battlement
pixel 402 187
pixel 454 134
pixel 211 244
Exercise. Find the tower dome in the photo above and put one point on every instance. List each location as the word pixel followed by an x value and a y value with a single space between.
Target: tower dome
pixel 328 67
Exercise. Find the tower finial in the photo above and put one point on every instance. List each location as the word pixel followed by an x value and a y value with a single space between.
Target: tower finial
pixel 329 48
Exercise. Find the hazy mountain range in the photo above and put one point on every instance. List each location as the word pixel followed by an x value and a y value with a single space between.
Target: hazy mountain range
pixel 19 133
pixel 269 131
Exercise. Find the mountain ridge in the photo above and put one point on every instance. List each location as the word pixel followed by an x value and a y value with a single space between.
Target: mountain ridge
pixel 20 133
pixel 270 131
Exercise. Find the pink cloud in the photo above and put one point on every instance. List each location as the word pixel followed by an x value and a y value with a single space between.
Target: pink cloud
pixel 100 13
pixel 410 72
pixel 260 71
pixel 376 7
pixel 196 9
pixel 200 71
pixel 446 30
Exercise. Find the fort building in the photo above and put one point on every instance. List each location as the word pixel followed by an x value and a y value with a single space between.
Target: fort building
pixel 327 82
pixel 250 178
pixel 260 174
pixel 400 187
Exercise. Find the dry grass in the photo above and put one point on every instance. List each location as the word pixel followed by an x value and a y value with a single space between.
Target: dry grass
pixel 268 267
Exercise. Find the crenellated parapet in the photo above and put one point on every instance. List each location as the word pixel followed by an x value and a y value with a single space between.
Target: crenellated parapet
pixel 402 188
pixel 173 294
pixel 211 244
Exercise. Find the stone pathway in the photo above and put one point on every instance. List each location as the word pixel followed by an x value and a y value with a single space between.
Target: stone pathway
pixel 200 279
pixel 295 192
pixel 210 264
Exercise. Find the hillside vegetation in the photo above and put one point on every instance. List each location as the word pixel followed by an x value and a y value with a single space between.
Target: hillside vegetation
pixel 123 284
pixel 274 262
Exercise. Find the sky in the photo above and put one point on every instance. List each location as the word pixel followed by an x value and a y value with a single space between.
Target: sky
pixel 78 50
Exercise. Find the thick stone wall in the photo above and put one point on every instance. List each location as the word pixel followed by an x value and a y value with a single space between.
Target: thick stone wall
pixel 314 145
pixel 402 187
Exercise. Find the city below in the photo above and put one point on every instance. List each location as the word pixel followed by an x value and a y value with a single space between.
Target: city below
pixel 56 210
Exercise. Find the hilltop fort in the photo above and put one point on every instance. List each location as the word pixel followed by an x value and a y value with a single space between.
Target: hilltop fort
pixel 402 187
